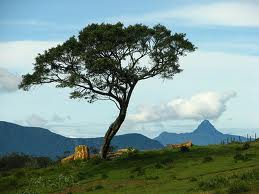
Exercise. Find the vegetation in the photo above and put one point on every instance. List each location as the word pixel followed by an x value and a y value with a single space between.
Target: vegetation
pixel 104 63
pixel 203 169
pixel 16 160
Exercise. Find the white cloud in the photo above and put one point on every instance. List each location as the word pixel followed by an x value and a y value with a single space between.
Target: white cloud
pixel 8 81
pixel 238 13
pixel 36 121
pixel 21 54
pixel 208 105
pixel 59 119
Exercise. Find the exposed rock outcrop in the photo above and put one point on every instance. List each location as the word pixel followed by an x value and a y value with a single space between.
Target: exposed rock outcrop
pixel 120 152
pixel 186 144
pixel 81 153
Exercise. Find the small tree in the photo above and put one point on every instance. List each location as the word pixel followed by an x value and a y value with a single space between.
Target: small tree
pixel 103 63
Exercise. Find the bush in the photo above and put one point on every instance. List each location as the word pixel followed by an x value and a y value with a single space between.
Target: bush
pixel 242 157
pixel 131 176
pixel 184 149
pixel 238 187
pixel 139 171
pixel 152 178
pixel 95 160
pixel 158 166
pixel 213 183
pixel 83 175
pixel 97 187
pixel 16 160
pixel 104 176
pixel 9 182
pixel 193 179
pixel 249 175
pixel 207 159
pixel 167 161
pixel 245 146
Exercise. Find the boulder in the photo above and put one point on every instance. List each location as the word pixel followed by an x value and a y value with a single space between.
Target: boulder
pixel 81 153
pixel 186 144
pixel 120 152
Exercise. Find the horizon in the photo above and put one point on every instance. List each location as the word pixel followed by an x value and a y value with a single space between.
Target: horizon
pixel 251 134
pixel 218 81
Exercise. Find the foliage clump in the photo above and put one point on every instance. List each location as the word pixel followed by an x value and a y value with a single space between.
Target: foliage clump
pixel 238 187
pixel 246 146
pixel 184 149
pixel 207 159
pixel 213 183
pixel 241 157
pixel 15 160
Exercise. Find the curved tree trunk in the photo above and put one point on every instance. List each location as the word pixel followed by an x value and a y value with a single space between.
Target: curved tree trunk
pixel 113 129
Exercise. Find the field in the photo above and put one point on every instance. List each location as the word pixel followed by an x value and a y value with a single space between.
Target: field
pixel 232 168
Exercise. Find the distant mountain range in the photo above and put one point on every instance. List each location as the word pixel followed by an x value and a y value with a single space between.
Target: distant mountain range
pixel 205 134
pixel 42 142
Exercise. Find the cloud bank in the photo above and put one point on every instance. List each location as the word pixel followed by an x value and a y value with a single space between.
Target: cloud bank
pixel 8 81
pixel 238 13
pixel 36 120
pixel 207 105
pixel 20 54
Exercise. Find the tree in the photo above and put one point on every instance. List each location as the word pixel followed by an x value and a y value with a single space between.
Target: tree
pixel 104 63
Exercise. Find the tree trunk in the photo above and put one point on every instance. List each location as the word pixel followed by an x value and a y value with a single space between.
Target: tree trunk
pixel 113 129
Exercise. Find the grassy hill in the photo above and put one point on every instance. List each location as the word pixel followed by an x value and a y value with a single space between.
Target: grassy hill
pixel 232 168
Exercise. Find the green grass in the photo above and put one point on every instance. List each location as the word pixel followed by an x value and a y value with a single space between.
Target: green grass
pixel 208 169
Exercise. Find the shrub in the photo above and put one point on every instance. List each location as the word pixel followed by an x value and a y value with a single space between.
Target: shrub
pixel 95 160
pixel 97 187
pixel 9 182
pixel 166 161
pixel 207 159
pixel 104 176
pixel 249 175
pixel 131 176
pixel 15 160
pixel 242 157
pixel 193 179
pixel 213 183
pixel 139 171
pixel 152 178
pixel 19 173
pixel 238 187
pixel 158 165
pixel 83 175
pixel 245 146
pixel 184 149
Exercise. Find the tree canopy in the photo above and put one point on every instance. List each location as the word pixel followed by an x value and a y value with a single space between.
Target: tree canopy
pixel 105 62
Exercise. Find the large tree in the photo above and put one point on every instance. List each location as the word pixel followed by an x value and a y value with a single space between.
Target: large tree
pixel 105 63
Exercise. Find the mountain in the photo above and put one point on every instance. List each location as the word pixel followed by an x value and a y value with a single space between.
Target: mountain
pixel 42 142
pixel 205 134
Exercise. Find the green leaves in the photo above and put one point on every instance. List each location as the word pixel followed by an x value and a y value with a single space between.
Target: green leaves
pixel 105 60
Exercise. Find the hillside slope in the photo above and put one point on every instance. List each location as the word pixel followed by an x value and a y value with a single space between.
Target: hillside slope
pixel 229 169
pixel 42 142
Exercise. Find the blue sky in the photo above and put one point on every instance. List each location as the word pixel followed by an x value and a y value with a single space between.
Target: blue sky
pixel 219 81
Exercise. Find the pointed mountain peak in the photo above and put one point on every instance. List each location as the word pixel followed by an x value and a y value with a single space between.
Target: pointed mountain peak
pixel 205 127
pixel 206 122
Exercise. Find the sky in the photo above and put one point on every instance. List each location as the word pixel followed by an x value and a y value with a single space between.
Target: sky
pixel 219 81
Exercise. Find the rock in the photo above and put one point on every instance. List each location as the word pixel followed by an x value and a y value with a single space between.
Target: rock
pixel 120 152
pixel 186 144
pixel 81 153
pixel 68 159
